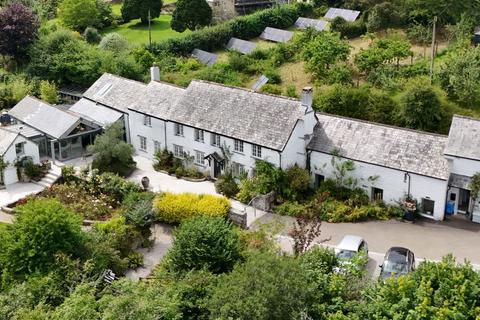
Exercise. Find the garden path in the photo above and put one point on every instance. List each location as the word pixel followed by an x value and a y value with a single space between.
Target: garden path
pixel 166 183
pixel 163 239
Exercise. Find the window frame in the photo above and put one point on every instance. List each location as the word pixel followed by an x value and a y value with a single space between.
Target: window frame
pixel 178 129
pixel 22 147
pixel 143 140
pixel 423 206
pixel 199 135
pixel 201 158
pixel 147 120
pixel 157 146
pixel 375 191
pixel 256 151
pixel 237 169
pixel 178 151
pixel 238 146
pixel 215 139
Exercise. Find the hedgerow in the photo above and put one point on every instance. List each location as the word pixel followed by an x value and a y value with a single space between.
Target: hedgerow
pixel 245 27
pixel 174 208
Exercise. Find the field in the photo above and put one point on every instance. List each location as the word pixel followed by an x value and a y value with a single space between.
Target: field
pixel 137 33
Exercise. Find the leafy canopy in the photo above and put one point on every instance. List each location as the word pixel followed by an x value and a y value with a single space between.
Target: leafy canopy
pixel 140 9
pixel 191 14
pixel 78 14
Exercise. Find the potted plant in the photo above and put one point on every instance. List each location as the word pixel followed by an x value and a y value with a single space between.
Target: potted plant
pixel 410 207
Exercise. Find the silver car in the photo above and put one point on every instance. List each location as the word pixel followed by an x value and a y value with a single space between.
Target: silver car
pixel 347 249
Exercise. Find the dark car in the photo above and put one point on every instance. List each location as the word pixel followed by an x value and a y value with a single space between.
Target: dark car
pixel 398 261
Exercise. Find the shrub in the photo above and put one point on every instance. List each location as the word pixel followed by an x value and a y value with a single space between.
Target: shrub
pixel 204 243
pixel 226 185
pixel 114 42
pixel 297 182
pixel 244 27
pixel 247 190
pixel 174 208
pixel 92 36
pixel 348 29
pixel 80 201
pixel 113 185
pixel 290 208
pixel 271 89
pixel 68 174
pixel 137 208
pixel 118 234
pixel 291 91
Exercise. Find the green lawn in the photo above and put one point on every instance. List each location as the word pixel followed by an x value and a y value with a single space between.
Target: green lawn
pixel 137 33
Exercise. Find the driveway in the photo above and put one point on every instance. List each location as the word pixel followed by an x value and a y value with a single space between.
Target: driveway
pixel 426 238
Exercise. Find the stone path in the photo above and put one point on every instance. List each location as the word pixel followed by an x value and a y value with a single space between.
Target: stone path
pixel 151 256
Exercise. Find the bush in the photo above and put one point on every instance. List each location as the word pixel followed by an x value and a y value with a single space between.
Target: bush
pixel 244 27
pixel 112 185
pixel 226 185
pixel 68 174
pixel 348 29
pixel 137 208
pixel 92 36
pixel 174 208
pixel 337 211
pixel 292 209
pixel 271 89
pixel 247 190
pixel 204 244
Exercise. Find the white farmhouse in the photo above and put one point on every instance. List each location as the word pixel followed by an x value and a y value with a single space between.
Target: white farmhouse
pixel 14 146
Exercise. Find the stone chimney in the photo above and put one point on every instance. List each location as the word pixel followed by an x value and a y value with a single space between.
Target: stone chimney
pixel 307 98
pixel 155 73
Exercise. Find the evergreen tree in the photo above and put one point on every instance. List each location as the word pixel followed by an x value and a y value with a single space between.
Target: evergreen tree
pixel 139 9
pixel 191 14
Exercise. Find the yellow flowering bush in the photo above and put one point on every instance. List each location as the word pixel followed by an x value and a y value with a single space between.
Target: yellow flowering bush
pixel 174 208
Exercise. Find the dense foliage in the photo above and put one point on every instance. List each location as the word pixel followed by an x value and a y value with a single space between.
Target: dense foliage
pixel 191 14
pixel 141 9
pixel 18 30
pixel 111 152
pixel 174 208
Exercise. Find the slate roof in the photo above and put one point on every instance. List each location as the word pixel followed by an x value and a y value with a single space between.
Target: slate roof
pixel 257 118
pixel 24 130
pixel 158 99
pixel 392 147
pixel 95 113
pixel 48 119
pixel 115 92
pixel 464 138
pixel 6 139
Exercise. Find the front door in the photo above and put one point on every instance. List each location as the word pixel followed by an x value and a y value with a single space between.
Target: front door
pixel 464 201
pixel 217 169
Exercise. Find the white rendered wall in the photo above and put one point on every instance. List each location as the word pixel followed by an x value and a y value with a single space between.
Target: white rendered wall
pixel 30 150
pixel 155 132
pixel 187 141
pixel 391 181
pixel 463 166
pixel 295 150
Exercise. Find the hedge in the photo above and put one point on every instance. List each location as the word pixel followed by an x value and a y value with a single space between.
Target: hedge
pixel 245 27
pixel 175 208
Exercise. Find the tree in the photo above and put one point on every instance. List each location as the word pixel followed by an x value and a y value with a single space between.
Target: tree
pixel 140 9
pixel 92 36
pixel 323 51
pixel 111 152
pixel 460 77
pixel 42 229
pixel 105 13
pixel 381 52
pixel 78 14
pixel 114 42
pixel 49 92
pixel 381 16
pixel 204 243
pixel 191 14
pixel 18 29
pixel 420 107
pixel 266 286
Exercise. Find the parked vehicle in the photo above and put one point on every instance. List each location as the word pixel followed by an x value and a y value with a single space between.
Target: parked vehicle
pixel 347 249
pixel 398 261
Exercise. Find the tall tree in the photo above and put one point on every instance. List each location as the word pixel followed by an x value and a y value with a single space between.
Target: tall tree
pixel 78 14
pixel 140 9
pixel 191 14
pixel 18 29
pixel 323 51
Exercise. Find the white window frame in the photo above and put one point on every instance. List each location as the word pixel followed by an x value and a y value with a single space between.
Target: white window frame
pixel 199 135
pixel 215 140
pixel 178 151
pixel 256 151
pixel 178 129
pixel 147 121
pixel 237 169
pixel 143 143
pixel 238 146
pixel 157 146
pixel 20 149
pixel 199 158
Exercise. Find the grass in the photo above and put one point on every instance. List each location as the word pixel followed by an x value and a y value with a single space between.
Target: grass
pixel 137 33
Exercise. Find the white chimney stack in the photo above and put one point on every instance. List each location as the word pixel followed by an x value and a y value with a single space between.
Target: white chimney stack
pixel 155 73
pixel 307 98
